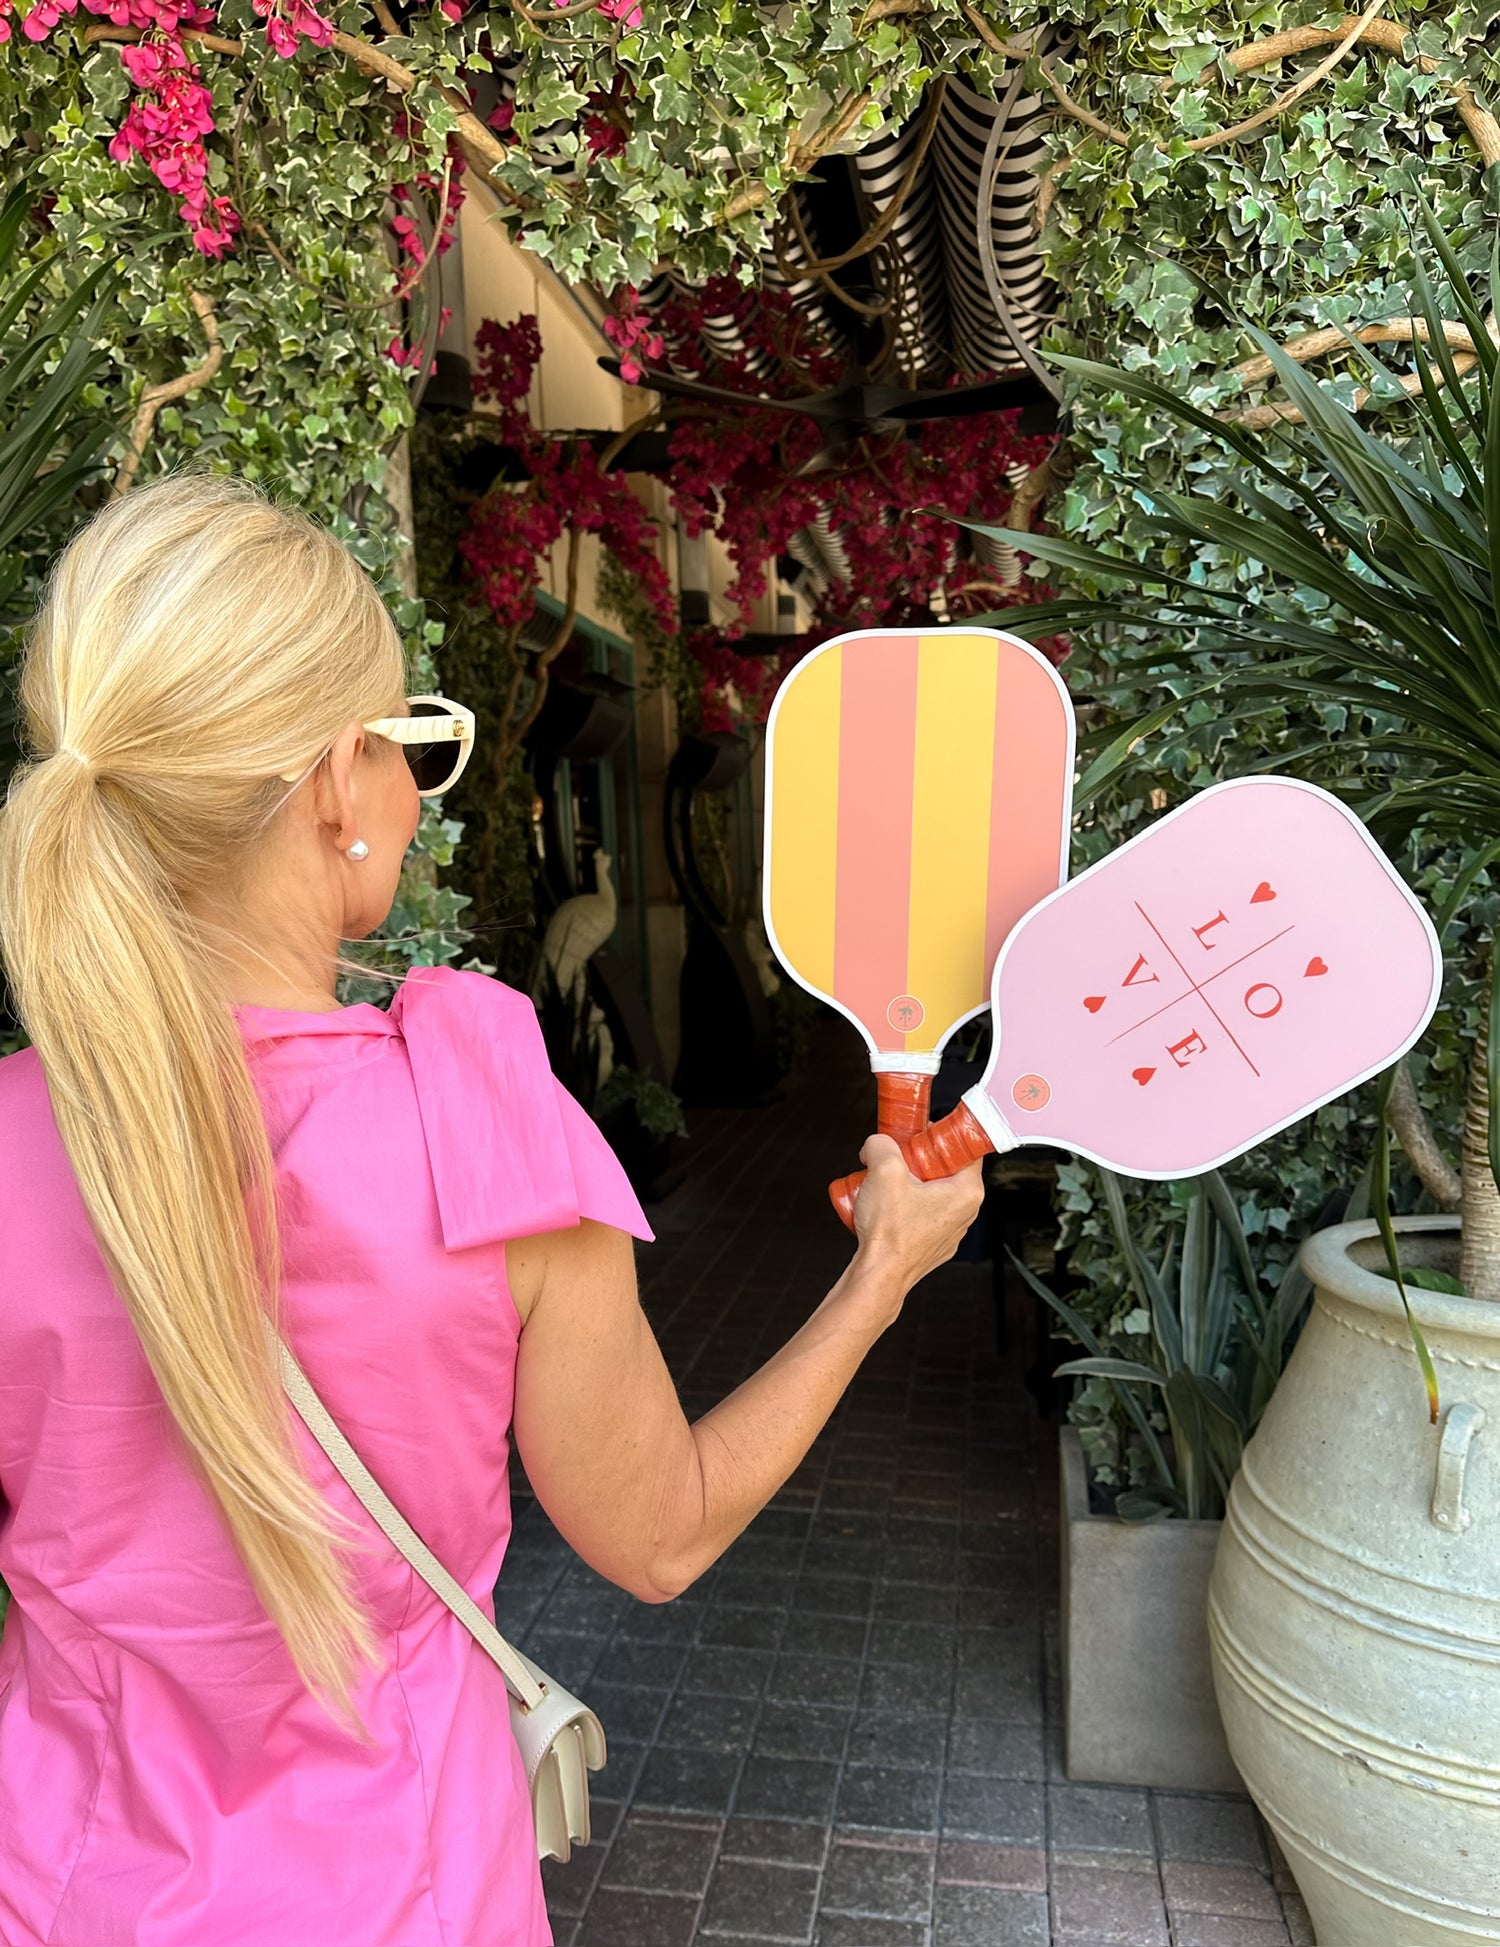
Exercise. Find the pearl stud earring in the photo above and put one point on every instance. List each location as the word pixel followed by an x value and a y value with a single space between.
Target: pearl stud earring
pixel 359 849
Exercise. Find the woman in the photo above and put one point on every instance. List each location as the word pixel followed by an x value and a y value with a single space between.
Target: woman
pixel 229 1712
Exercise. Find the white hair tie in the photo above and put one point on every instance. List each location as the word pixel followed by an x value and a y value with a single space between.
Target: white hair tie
pixel 67 750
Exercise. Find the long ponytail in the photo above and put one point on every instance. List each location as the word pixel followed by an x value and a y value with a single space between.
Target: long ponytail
pixel 196 642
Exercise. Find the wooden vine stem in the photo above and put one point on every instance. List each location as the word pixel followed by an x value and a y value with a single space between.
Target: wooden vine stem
pixel 480 144
pixel 1312 344
pixel 941 1149
pixel 801 157
pixel 156 396
pixel 1390 39
pixel 1352 30
pixel 1344 34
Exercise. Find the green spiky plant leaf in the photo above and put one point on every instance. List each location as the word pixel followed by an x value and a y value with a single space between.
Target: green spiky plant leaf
pixel 1399 540
pixel 50 441
pixel 1217 1348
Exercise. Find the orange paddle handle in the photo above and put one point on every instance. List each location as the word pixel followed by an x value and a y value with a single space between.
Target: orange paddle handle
pixel 904 1104
pixel 941 1149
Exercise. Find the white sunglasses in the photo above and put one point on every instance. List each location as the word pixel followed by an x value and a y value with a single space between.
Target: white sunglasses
pixel 437 738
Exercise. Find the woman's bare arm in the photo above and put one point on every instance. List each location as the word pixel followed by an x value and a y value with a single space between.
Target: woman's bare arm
pixel 646 1498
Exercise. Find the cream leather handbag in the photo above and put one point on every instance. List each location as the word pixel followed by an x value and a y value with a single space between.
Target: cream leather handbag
pixel 561 1740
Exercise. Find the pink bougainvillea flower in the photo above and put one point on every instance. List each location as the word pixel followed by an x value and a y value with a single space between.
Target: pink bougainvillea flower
pixel 311 25
pixel 454 9
pixel 149 62
pixel 289 24
pixel 502 117
pixel 216 230
pixel 5 8
pixel 39 22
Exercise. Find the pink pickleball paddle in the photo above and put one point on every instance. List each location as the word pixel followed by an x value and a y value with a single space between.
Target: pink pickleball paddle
pixel 1248 958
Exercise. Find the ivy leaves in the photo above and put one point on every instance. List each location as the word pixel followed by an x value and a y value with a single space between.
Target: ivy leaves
pixel 1301 223
pixel 722 100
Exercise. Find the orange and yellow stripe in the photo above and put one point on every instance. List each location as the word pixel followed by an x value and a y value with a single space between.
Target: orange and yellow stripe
pixel 919 791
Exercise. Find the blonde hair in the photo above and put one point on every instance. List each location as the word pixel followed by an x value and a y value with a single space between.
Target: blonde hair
pixel 195 642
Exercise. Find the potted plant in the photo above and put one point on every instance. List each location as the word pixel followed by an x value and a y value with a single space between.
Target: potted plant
pixel 1357 1579
pixel 1138 1691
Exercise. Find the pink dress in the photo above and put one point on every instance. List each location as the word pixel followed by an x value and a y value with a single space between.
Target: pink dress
pixel 165 1781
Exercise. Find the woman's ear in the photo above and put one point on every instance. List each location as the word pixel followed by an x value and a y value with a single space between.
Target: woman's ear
pixel 334 787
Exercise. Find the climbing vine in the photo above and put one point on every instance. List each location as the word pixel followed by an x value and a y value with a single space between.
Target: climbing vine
pixel 275 178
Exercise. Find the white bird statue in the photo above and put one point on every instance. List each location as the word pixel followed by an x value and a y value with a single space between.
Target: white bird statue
pixel 578 929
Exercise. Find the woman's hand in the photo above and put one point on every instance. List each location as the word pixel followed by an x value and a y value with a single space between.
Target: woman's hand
pixel 905 1227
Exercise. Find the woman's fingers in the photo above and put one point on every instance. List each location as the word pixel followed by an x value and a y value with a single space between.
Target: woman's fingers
pixel 912 1226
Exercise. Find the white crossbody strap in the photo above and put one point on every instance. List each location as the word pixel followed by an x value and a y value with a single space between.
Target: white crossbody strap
pixel 321 1424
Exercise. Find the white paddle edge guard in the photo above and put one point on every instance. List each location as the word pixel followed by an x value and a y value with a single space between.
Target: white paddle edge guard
pixel 991 1118
pixel 887 1061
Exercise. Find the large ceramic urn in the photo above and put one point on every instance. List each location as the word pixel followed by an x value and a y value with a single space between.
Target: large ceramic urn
pixel 1354 1608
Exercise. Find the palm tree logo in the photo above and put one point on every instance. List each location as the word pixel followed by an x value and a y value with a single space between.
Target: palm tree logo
pixel 906 1014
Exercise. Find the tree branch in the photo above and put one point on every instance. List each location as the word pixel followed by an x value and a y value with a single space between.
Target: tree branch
pixel 1409 1120
pixel 1007 50
pixel 1030 494
pixel 1391 39
pixel 156 396
pixel 1311 344
pixel 801 159
pixel 1346 33
pixel 480 144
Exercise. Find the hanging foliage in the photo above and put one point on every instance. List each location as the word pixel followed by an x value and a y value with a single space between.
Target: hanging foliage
pixel 756 478
pixel 613 134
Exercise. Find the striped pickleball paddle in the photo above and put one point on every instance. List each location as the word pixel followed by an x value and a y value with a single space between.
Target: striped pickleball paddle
pixel 918 802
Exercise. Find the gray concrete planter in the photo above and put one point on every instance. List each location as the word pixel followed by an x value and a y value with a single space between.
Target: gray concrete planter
pixel 1138 1688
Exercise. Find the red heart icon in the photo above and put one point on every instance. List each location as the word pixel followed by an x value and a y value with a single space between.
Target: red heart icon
pixel 1261 893
pixel 1143 1075
pixel 1093 1002
pixel 1317 965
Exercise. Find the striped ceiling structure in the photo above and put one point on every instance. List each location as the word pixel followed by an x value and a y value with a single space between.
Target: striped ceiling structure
pixel 914 259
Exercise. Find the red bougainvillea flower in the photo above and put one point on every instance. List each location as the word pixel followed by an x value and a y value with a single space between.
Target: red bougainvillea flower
pixel 290 22
pixel 513 527
pixel 408 238
pixel 44 16
pixel 603 136
pixel 215 232
pixel 633 334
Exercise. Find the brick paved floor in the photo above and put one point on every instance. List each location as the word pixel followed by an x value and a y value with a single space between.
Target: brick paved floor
pixel 848 1732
